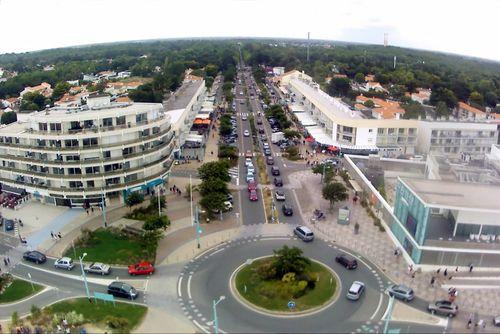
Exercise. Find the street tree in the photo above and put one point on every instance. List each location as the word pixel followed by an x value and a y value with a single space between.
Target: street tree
pixel 213 202
pixel 442 110
pixel 476 98
pixel 335 192
pixel 134 199
pixel 213 185
pixel 215 169
pixel 291 134
pixel 290 260
pixel 369 104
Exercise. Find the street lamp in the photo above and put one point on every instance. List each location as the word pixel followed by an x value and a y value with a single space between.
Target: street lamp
pixel 84 277
pixel 216 321
pixel 103 207
pixel 197 225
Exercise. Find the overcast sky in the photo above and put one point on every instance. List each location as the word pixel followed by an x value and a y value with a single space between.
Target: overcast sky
pixel 463 27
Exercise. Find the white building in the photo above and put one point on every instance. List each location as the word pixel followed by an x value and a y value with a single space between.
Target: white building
pixel 278 70
pixel 124 74
pixel 72 156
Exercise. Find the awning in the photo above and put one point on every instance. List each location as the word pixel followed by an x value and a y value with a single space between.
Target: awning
pixel 198 121
pixel 194 138
pixel 202 116
pixel 333 148
pixel 13 190
pixel 309 139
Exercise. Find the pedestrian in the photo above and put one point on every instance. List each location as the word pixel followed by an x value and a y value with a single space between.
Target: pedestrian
pixel 469 323
pixel 87 210
pixel 8 260
pixel 456 269
pixel 52 234
pixel 59 235
pixel 5 262
pixel 92 209
pixel 438 271
pixel 470 267
pixel 445 273
pixel 413 275
pixel 180 192
pixel 433 279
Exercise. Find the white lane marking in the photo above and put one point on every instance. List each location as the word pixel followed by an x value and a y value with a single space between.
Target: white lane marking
pixel 200 326
pixel 189 287
pixel 217 251
pixel 179 292
pixel 276 238
pixel 378 307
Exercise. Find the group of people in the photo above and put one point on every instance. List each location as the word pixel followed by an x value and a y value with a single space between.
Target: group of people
pixel 55 236
pixel 6 262
pixel 175 190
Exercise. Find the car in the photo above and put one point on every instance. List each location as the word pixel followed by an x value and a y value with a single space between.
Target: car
pixel 274 130
pixel 250 178
pixel 259 121
pixel 278 182
pixel 270 160
pixel 267 152
pixel 355 291
pixel 279 195
pixel 97 268
pixel 248 154
pixel 124 290
pixel 248 161
pixel 9 224
pixel 252 195
pixel 34 256
pixel 275 170
pixel 496 321
pixel 141 268
pixel 261 130
pixel 346 261
pixel 228 206
pixel 252 185
pixel 244 117
pixel 229 198
pixel 287 210
pixel 251 169
pixel 64 263
pixel 265 144
pixel 443 307
pixel 401 291
pixel 304 233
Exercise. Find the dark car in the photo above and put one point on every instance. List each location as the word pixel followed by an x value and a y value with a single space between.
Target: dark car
pixel 124 290
pixel 34 256
pixel 9 224
pixel 261 130
pixel 347 261
pixel 267 152
pixel 287 210
pixel 270 160
pixel 278 182
pixel 275 171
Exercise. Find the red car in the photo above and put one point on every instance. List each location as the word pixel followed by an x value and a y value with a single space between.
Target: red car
pixel 253 195
pixel 141 268
pixel 252 185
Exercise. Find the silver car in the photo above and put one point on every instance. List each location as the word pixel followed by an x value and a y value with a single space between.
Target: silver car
pixel 355 291
pixel 64 263
pixel 443 307
pixel 97 268
pixel 400 291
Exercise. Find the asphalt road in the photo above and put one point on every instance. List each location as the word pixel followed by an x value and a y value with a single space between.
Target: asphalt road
pixel 207 277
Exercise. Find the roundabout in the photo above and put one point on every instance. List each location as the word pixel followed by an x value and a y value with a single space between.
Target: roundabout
pixel 208 277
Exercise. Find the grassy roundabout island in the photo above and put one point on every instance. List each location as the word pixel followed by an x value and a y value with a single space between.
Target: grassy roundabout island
pixel 271 282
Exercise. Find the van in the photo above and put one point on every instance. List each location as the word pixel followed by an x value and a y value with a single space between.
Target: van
pixel 304 233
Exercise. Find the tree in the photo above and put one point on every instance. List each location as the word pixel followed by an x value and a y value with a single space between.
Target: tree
pixel 215 169
pixel 442 110
pixel 291 134
pixel 33 101
pixel 290 260
pixel 445 95
pixel 413 110
pixel 134 199
pixel 156 222
pixel 60 89
pixel 213 185
pixel 491 99
pixel 213 202
pixel 339 86
pixel 369 104
pixel 9 117
pixel 149 241
pixel 334 192
pixel 359 77
pixel 476 98
pixel 154 202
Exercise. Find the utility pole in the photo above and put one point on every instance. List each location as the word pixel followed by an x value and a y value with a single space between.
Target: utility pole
pixel 214 308
pixel 389 314
pixel 159 206
pixel 191 199
pixel 308 42
pixel 103 206
pixel 197 226
pixel 84 276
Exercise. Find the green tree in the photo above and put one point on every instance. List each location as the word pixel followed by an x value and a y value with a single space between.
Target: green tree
pixel 213 185
pixel 369 104
pixel 291 134
pixel 33 101
pixel 60 89
pixel 476 98
pixel 134 199
pixel 149 241
pixel 156 222
pixel 215 169
pixel 491 99
pixel 154 202
pixel 442 110
pixel 213 202
pixel 413 110
pixel 339 86
pixel 290 260
pixel 334 192
pixel 359 77
pixel 9 117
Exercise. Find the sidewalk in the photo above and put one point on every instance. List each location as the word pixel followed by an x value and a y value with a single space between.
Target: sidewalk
pixel 379 248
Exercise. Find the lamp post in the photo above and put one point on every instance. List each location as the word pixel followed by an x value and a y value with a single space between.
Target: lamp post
pixel 159 206
pixel 216 321
pixel 389 314
pixel 103 207
pixel 84 277
pixel 197 225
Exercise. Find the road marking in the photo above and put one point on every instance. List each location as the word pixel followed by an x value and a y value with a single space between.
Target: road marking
pixel 179 292
pixel 200 326
pixel 378 307
pixel 189 287
pixel 217 251
pixel 275 238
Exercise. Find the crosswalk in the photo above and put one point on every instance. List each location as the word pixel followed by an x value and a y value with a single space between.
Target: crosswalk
pixel 276 154
pixel 233 172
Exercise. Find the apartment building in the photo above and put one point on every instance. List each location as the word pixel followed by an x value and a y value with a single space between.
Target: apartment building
pixel 72 156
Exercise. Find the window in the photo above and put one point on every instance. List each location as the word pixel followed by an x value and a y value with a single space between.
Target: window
pixel 401 131
pixel 370 130
pixel 75 125
pixel 107 122
pixel 412 131
pixel 75 184
pixel 71 143
pixel 127 151
pixel 89 141
pixel 57 170
pixel 156 129
pixel 41 142
pixel 92 170
pixel 120 120
pixel 144 133
pixel 88 124
pixel 141 118
pixel 90 184
pixel 55 143
pixel 73 158
pixel 381 131
pixel 106 154
pixel 42 126
pixel 348 129
pixel 55 126
pixel 391 131
pixel 74 171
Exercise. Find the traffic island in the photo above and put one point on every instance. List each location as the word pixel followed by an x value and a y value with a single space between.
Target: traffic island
pixel 13 289
pixel 286 284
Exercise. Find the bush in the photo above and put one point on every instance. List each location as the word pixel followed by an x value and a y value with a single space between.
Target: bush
pixel 267 271
pixel 116 322
pixel 299 289
pixel 288 278
pixel 156 222
pixel 134 199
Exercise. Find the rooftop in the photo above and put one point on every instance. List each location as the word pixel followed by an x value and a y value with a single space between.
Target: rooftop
pixel 182 96
pixel 455 195
pixel 465 106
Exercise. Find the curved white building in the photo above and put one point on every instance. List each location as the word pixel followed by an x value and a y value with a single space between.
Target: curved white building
pixel 71 156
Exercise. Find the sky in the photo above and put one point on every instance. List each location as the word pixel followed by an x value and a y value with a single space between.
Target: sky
pixel 456 26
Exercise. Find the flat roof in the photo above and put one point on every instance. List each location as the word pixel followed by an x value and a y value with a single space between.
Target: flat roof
pixel 182 96
pixel 466 196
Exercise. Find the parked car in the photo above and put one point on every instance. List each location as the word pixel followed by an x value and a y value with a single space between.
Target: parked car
pixel 346 261
pixel 244 117
pixel 124 290
pixel 34 256
pixel 261 130
pixel 64 263
pixel 496 321
pixel 252 185
pixel 227 207
pixel 259 121
pixel 443 307
pixel 97 268
pixel 401 291
pixel 270 160
pixel 229 198
pixel 251 169
pixel 278 182
pixel 287 210
pixel 246 133
pixel 304 233
pixel 355 291
pixel 252 195
pixel 279 195
pixel 141 268
pixel 275 171
pixel 9 224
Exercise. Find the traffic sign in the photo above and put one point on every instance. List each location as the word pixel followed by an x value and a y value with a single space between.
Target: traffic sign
pixel 291 304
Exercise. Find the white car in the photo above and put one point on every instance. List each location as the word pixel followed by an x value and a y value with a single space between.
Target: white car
pixel 244 117
pixel 248 161
pixel 64 263
pixel 251 170
pixel 250 178
pixel 280 195
pixel 355 290
pixel 246 133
